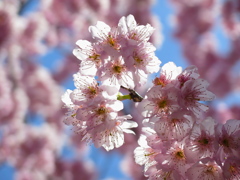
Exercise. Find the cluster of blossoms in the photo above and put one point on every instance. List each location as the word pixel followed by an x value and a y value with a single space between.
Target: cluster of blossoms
pixel 117 58
pixel 36 42
pixel 177 140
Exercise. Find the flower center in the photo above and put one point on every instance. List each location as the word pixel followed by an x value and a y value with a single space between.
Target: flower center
pixel 133 36
pixel 138 60
pixel 101 111
pixel 225 143
pixel 162 104
pixel 180 154
pixel 210 169
pixel 113 42
pixel 160 81
pixel 203 141
pixel 95 58
pixel 175 122
pixel 117 69
pixel 233 169
pixel 92 91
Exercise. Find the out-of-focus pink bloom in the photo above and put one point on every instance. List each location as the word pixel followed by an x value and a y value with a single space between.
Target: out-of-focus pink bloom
pixel 6 103
pixel 72 170
pixel 230 22
pixel 130 168
pixel 43 92
pixel 5 26
pixel 35 148
pixel 29 174
pixel 33 29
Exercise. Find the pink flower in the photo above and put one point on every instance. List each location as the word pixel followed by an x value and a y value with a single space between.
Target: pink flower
pixel 106 36
pixel 192 92
pixel 202 139
pixel 159 101
pixel 231 168
pixel 72 108
pixel 110 135
pixel 169 73
pixel 6 103
pixel 188 74
pixel 116 74
pixel 86 88
pixel 155 173
pixel 98 121
pixel 205 169
pixel 142 62
pixel 99 111
pixel 175 158
pixel 129 28
pixel 175 126
pixel 90 59
pixel 144 155
pixel 227 136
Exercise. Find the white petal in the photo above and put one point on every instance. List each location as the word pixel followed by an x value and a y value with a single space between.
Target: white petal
pixel 131 22
pixel 100 31
pixel 129 124
pixel 81 56
pixel 66 97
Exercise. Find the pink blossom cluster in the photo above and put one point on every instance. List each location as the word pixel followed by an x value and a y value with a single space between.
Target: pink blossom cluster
pixel 177 141
pixel 118 57
pixel 29 90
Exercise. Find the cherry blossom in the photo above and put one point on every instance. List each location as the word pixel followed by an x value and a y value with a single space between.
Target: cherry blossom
pixel 117 74
pixel 194 91
pixel 227 136
pixel 160 101
pixel 231 168
pixel 90 59
pixel 144 155
pixel 169 72
pixel 202 139
pixel 205 169
pixel 128 27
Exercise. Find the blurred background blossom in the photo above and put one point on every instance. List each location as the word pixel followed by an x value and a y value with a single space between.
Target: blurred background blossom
pixel 36 42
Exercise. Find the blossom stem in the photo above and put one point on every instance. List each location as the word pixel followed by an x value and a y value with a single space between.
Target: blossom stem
pixel 123 97
pixel 134 95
